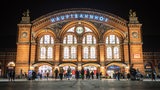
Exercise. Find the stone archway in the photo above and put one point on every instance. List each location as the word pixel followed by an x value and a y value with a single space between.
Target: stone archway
pixel 113 67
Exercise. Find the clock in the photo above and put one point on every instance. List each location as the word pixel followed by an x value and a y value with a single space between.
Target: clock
pixel 24 34
pixel 135 34
pixel 79 29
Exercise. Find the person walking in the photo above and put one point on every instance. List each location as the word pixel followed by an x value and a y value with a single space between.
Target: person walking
pixel 77 74
pixel 69 73
pixel 82 73
pixel 56 73
pixel 61 73
pixel 92 75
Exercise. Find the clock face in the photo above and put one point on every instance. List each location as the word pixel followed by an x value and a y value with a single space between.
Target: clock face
pixel 135 34
pixel 24 34
pixel 79 30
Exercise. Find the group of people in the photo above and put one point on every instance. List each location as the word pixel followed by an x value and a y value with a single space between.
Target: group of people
pixel 78 74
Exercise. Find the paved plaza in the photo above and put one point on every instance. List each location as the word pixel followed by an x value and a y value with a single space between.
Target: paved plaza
pixel 105 84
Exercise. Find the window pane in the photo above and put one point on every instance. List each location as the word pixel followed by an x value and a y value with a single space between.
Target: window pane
pixel 85 52
pixel 89 39
pixel 50 51
pixel 73 52
pixel 109 52
pixel 66 52
pixel 71 29
pixel 46 39
pixel 93 52
pixel 112 39
pixel 70 39
pixel 43 52
pixel 87 29
pixel 116 52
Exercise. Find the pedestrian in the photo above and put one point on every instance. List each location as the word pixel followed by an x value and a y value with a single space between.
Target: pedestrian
pixel 88 74
pixel 92 74
pixel 47 75
pixel 82 73
pixel 56 73
pixel 12 75
pixel 153 76
pixel 77 74
pixel 69 73
pixel 61 73
pixel 100 75
pixel 97 74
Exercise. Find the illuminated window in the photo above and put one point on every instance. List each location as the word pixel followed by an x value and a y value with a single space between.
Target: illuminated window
pixel 89 44
pixel 50 52
pixel 85 53
pixel 73 52
pixel 43 52
pixel 93 52
pixel 69 43
pixel 109 52
pixel 116 52
pixel 112 47
pixel 46 47
pixel 70 39
pixel 66 52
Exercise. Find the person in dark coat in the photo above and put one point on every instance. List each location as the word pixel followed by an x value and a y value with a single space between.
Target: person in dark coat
pixel 82 73
pixel 61 73
pixel 92 75
pixel 56 73
pixel 77 74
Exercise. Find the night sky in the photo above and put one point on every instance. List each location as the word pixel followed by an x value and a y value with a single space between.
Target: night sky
pixel 147 12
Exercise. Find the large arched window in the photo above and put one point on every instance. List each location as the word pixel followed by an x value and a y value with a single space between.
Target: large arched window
pixel 69 44
pixel 46 47
pixel 89 45
pixel 112 47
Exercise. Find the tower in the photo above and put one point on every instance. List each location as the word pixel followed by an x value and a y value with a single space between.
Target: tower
pixel 23 44
pixel 135 42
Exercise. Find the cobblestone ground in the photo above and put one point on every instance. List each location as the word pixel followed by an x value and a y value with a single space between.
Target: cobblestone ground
pixel 80 85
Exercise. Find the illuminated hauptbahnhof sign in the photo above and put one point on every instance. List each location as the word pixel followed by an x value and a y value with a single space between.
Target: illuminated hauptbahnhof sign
pixel 79 16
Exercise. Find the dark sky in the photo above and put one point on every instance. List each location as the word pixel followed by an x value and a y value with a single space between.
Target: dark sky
pixel 147 12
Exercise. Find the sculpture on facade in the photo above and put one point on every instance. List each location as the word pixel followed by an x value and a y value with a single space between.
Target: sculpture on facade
pixel 131 13
pixel 26 14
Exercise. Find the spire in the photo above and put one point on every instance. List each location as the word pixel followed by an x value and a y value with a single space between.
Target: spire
pixel 26 17
pixel 133 19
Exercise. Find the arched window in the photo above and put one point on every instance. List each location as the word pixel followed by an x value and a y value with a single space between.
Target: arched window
pixel 46 47
pixel 89 46
pixel 69 44
pixel 112 47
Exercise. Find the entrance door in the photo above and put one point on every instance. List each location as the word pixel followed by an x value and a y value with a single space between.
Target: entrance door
pixel 72 69
pixel 44 69
pixel 112 70
pixel 91 68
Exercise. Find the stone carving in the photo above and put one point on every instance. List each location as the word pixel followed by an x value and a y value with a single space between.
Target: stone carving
pixel 26 14
pixel 131 13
